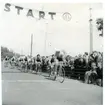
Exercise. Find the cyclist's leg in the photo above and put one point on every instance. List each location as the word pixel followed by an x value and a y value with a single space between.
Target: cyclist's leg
pixel 56 66
pixel 60 65
pixel 52 68
pixel 27 67
pixel 38 67
pixel 59 71
pixel 40 70
pixel 49 70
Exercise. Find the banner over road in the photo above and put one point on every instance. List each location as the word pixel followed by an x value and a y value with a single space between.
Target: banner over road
pixel 36 13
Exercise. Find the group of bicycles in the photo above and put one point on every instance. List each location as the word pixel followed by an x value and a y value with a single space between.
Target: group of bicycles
pixel 30 65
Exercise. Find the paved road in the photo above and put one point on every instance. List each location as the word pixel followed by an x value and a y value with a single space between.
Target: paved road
pixel 30 89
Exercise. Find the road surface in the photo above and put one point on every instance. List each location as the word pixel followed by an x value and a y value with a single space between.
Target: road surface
pixel 30 89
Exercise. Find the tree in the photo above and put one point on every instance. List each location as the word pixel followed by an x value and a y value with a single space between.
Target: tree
pixel 99 23
pixel 6 52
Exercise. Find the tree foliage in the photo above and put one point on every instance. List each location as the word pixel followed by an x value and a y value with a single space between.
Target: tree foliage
pixel 99 23
pixel 6 52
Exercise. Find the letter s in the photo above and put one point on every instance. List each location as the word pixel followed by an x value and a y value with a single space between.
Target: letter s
pixel 7 5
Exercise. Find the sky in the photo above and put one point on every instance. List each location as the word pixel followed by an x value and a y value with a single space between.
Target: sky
pixel 72 36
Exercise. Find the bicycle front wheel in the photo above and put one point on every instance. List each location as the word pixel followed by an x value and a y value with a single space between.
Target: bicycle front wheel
pixel 61 75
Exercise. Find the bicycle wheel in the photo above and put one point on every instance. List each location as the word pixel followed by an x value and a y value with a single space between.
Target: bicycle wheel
pixel 52 75
pixel 61 75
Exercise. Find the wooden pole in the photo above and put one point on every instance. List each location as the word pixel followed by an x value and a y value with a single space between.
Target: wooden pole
pixel 91 32
pixel 45 48
pixel 31 45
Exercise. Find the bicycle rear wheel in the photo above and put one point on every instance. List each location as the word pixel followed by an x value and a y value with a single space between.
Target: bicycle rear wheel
pixel 61 75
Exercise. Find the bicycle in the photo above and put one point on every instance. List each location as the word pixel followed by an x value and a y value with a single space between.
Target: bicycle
pixel 57 75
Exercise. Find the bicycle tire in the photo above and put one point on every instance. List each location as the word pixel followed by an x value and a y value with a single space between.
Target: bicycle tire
pixel 52 75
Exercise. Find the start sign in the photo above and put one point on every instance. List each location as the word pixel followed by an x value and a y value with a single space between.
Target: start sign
pixel 41 14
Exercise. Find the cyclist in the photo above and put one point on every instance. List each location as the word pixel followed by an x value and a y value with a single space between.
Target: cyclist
pixel 24 64
pixel 6 58
pixel 61 61
pixel 33 64
pixel 19 63
pixel 38 63
pixel 53 64
pixel 12 60
pixel 57 63
pixel 29 64
pixel 43 60
pixel 6 61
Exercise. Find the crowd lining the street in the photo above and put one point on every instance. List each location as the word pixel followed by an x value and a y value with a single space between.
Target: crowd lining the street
pixel 86 66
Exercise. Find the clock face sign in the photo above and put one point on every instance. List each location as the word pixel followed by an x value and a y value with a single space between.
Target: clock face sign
pixel 66 16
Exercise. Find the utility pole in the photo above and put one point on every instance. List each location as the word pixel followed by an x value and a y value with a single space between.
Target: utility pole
pixel 91 31
pixel 31 45
pixel 45 50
